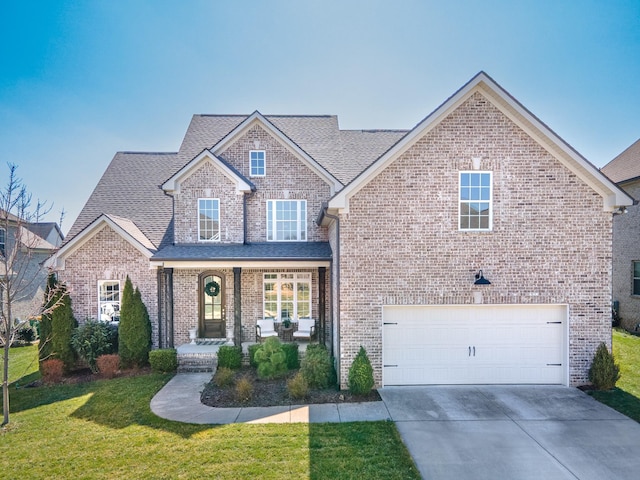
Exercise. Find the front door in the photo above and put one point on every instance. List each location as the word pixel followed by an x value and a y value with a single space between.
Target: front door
pixel 212 322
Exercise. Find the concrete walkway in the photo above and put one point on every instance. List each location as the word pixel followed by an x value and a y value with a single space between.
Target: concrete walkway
pixel 458 432
pixel 179 400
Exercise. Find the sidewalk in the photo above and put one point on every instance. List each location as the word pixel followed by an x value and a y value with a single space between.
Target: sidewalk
pixel 179 400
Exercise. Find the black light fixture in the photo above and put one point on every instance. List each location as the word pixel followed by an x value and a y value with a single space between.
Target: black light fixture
pixel 480 280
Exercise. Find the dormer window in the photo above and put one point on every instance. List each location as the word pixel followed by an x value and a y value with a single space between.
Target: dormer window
pixel 257 167
pixel 208 220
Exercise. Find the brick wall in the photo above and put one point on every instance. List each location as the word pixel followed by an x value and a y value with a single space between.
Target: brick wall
pixel 400 244
pixel 107 256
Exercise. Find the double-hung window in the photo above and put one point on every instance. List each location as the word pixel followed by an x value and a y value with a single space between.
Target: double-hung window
pixel 287 295
pixel 287 220
pixel 257 167
pixel 109 300
pixel 208 220
pixel 3 241
pixel 475 201
pixel 636 278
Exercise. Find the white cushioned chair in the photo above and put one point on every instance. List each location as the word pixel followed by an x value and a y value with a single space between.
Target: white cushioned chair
pixel 265 328
pixel 306 328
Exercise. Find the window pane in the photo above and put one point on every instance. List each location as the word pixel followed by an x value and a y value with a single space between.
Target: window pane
pixel 636 269
pixel 464 180
pixel 636 286
pixel 209 216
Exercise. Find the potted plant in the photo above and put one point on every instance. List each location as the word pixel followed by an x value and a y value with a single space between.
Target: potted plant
pixel 286 322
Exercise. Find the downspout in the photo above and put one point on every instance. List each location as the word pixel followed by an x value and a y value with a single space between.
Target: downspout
pixel 336 264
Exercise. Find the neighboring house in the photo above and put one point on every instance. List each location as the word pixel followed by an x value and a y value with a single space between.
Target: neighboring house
pixel 32 243
pixel 625 171
pixel 380 236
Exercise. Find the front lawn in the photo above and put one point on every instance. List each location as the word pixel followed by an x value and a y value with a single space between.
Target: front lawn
pixel 23 362
pixel 626 396
pixel 105 429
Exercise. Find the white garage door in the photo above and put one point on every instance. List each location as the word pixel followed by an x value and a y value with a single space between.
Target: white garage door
pixel 474 344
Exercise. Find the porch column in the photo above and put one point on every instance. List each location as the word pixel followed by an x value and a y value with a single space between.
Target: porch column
pixel 321 304
pixel 165 303
pixel 237 306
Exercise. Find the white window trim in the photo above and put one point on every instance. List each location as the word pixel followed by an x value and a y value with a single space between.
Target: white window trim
pixel 279 280
pixel 219 221
pixel 264 154
pixel 633 278
pixel 490 201
pixel 299 229
pixel 101 302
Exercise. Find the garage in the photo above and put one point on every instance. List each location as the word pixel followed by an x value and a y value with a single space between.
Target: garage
pixel 474 344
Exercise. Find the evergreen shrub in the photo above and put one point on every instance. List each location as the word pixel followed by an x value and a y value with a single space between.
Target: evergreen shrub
pixel 604 373
pixel 317 367
pixel 230 357
pixel 164 360
pixel 361 374
pixel 271 359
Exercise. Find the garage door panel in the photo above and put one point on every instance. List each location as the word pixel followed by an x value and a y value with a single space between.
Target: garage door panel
pixel 474 344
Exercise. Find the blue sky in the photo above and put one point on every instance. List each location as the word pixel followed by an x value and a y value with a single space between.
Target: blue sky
pixel 81 80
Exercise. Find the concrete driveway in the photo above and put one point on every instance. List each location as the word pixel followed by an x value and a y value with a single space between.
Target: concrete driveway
pixel 513 432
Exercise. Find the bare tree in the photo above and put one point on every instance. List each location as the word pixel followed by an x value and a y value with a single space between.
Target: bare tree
pixel 20 275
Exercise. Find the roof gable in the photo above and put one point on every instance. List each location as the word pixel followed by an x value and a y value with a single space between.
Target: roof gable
pixel 257 118
pixel 241 182
pixel 625 166
pixel 124 227
pixel 613 196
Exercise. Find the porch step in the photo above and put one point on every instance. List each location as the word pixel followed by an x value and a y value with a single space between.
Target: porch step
pixel 197 362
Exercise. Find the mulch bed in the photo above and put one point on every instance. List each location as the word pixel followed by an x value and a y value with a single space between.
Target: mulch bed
pixel 85 375
pixel 268 393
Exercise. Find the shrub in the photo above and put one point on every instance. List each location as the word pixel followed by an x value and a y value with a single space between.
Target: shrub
pixel 317 367
pixel 134 342
pixel 291 354
pixel 271 359
pixel 44 348
pixel 298 387
pixel 164 360
pixel 361 374
pixel 91 340
pixel 252 354
pixel 604 373
pixel 26 334
pixel 52 370
pixel 244 389
pixel 230 357
pixel 62 325
pixel 223 377
pixel 108 365
pixel 112 337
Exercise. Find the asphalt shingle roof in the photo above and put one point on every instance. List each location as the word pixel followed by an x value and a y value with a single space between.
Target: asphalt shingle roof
pixel 252 251
pixel 625 166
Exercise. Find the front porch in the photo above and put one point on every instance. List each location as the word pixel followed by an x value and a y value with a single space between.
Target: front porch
pixel 203 355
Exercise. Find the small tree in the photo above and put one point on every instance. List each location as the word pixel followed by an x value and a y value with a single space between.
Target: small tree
pixel 62 325
pixel 44 348
pixel 604 373
pixel 135 328
pixel 18 277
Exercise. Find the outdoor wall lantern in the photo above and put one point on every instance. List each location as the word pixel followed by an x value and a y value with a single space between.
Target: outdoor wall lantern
pixel 480 280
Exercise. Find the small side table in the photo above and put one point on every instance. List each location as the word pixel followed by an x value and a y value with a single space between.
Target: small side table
pixel 287 332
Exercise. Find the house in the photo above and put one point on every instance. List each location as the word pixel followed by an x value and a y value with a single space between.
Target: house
pixel 624 170
pixel 27 246
pixel 472 248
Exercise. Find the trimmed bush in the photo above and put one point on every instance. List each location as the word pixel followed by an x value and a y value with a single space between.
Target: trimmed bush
pixel 361 374
pixel 164 360
pixel 244 389
pixel 604 373
pixel 291 354
pixel 108 365
pixel 63 324
pixel 52 370
pixel 90 340
pixel 252 354
pixel 26 334
pixel 298 387
pixel 271 359
pixel 317 367
pixel 224 377
pixel 230 357
pixel 134 332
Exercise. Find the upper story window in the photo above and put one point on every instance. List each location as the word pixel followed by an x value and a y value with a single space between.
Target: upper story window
pixel 208 220
pixel 287 220
pixel 109 300
pixel 475 201
pixel 636 278
pixel 3 240
pixel 257 167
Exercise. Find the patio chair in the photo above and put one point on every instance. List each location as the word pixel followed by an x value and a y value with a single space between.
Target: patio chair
pixel 306 329
pixel 265 328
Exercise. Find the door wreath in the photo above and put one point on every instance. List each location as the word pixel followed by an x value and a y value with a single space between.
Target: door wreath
pixel 212 289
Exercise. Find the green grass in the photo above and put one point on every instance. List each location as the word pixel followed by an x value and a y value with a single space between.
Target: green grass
pixel 626 396
pixel 105 429
pixel 23 362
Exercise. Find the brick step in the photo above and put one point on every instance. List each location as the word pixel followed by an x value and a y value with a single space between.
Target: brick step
pixel 191 362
